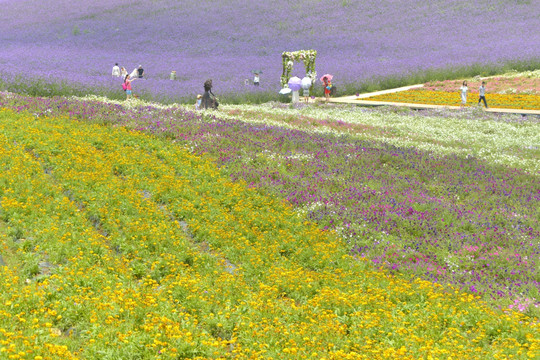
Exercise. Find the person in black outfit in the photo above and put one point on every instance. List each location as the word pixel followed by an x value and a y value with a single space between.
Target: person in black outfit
pixel 140 72
pixel 209 100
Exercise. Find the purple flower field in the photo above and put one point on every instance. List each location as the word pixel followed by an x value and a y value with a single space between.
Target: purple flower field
pixel 78 43
pixel 449 219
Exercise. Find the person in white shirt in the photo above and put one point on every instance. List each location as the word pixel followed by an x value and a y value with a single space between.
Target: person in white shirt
pixel 464 90
pixel 256 79
pixel 116 70
pixel 123 72
pixel 134 74
pixel 482 93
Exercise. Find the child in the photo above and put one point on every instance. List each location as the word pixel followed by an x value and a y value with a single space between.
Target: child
pixel 198 103
pixel 464 90
pixel 482 93
pixel 256 79
pixel 127 82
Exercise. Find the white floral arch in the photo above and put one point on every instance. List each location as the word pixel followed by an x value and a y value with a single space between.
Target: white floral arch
pixel 290 57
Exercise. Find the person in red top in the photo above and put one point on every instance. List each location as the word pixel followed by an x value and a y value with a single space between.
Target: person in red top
pixel 327 88
pixel 127 82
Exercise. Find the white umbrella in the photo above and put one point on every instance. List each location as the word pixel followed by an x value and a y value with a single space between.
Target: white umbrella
pixel 306 83
pixel 285 91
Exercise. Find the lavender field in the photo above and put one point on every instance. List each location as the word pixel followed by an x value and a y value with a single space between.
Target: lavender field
pixel 58 47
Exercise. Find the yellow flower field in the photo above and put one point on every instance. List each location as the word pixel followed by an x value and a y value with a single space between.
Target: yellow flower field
pixel 419 96
pixel 119 245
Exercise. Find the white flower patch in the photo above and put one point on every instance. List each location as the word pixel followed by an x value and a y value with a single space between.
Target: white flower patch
pixel 310 208
pixel 491 140
pixel 535 74
pixel 451 264
pixel 130 104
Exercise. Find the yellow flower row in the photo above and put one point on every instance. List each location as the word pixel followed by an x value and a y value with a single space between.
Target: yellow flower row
pixel 505 101
pixel 102 294
pixel 143 250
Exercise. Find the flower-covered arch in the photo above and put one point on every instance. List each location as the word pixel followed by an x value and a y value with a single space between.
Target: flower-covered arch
pixel 290 57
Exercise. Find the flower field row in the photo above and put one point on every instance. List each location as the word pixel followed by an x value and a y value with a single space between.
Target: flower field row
pixel 121 245
pixel 511 83
pixel 438 197
pixel 355 186
pixel 505 140
pixel 452 98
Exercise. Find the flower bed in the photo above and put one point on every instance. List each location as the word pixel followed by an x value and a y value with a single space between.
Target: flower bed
pixel 123 245
pixel 410 193
pixel 424 96
pixel 512 83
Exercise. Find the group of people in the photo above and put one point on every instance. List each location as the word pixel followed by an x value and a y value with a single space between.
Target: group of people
pixel 481 92
pixel 121 72
pixel 118 71
pixel 329 88
pixel 208 100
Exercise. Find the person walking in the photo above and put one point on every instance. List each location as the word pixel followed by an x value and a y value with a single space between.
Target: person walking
pixel 482 93
pixel 127 86
pixel 116 70
pixel 463 89
pixel 208 100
